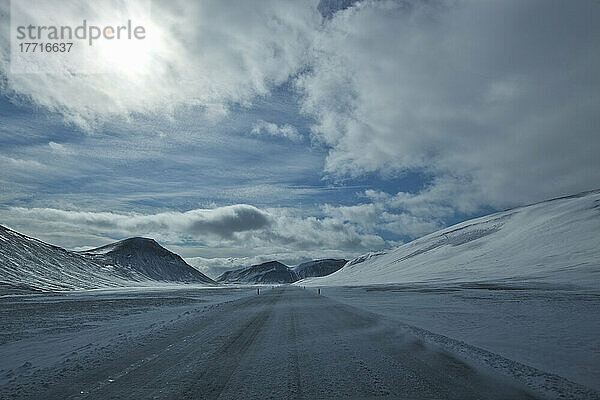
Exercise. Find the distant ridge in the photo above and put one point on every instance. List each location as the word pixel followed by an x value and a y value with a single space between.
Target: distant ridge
pixel 272 272
pixel 319 267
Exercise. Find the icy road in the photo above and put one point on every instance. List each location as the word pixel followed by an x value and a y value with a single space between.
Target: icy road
pixel 287 343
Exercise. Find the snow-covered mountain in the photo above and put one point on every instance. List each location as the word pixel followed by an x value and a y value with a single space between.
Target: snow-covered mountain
pixel 319 267
pixel 30 263
pixel 269 272
pixel 556 242
pixel 148 258
pixel 276 272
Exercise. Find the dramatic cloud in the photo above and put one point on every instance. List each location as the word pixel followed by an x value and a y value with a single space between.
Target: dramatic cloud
pixel 498 100
pixel 501 97
pixel 268 128
pixel 420 114
pixel 238 225
pixel 207 54
pixel 219 223
pixel 227 237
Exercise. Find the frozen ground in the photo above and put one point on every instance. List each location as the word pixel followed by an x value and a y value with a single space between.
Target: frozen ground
pixel 50 331
pixel 556 330
pixel 30 315
pixel 231 343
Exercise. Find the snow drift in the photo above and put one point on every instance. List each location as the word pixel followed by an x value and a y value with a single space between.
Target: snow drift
pixel 32 264
pixel 553 242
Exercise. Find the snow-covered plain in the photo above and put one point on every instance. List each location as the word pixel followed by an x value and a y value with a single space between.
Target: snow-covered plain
pixel 285 343
pixel 48 330
pixel 231 343
pixel 554 242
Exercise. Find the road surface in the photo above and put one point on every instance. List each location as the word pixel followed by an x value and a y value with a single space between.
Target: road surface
pixel 287 343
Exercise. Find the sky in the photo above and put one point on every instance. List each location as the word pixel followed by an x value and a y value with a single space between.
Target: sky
pixel 292 130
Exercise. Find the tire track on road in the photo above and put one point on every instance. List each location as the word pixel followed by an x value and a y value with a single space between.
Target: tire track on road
pixel 225 360
pixel 295 382
pixel 195 362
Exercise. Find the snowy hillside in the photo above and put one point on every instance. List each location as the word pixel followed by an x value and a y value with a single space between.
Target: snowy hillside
pixel 269 272
pixel 30 263
pixel 556 241
pixel 319 267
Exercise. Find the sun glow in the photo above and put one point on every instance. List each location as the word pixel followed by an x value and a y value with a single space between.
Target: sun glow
pixel 125 56
pixel 113 36
pixel 120 51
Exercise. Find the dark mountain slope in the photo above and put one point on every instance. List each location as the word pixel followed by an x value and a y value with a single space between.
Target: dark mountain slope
pixel 319 267
pixel 148 258
pixel 269 272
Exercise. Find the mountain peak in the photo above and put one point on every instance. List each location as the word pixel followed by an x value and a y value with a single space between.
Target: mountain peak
pixel 148 257
pixel 133 243
pixel 273 264
pixel 138 239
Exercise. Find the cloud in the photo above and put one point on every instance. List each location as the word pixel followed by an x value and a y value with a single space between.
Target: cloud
pixel 22 164
pixel 268 128
pixel 444 197
pixel 495 103
pixel 218 223
pixel 237 230
pixel 208 55
pixel 383 213
pixel 299 232
pixel 497 100
pixel 228 237
pixel 58 148
pixel 240 225
pixel 225 221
